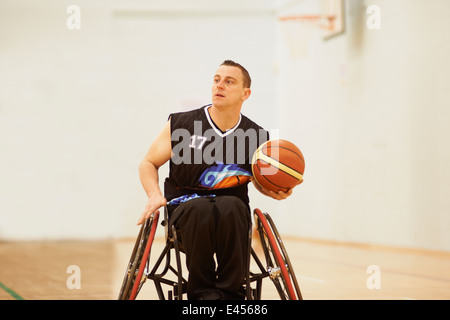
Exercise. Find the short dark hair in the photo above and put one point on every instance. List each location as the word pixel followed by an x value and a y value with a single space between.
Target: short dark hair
pixel 246 76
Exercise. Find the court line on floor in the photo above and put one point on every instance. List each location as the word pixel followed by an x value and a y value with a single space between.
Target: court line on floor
pixel 11 292
pixel 383 269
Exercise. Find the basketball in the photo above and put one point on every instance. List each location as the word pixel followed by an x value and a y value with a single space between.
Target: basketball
pixel 278 165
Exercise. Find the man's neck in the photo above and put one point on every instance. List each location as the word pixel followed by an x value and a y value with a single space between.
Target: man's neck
pixel 225 118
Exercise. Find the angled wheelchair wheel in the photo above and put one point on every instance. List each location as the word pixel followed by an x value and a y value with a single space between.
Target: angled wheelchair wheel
pixel 278 264
pixel 134 275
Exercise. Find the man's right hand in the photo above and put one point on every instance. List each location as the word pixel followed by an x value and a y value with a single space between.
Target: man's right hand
pixel 153 204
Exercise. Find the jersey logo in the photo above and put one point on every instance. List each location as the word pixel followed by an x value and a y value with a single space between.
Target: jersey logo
pixel 224 176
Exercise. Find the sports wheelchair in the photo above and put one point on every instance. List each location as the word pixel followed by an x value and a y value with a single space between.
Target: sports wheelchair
pixel 277 265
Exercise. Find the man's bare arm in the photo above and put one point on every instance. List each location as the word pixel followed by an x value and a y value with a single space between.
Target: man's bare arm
pixel 158 154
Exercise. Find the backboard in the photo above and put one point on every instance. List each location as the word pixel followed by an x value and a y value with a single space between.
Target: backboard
pixel 327 15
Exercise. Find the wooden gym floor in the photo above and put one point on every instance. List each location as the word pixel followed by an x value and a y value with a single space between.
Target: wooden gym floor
pixel 325 270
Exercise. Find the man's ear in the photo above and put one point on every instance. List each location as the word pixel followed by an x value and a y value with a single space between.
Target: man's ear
pixel 246 94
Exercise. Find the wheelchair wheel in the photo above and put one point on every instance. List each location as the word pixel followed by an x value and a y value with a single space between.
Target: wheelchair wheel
pixel 279 266
pixel 139 260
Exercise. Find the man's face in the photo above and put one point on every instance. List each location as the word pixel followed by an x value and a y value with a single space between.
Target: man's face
pixel 228 88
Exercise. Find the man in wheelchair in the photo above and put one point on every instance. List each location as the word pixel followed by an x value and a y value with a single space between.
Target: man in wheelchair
pixel 206 192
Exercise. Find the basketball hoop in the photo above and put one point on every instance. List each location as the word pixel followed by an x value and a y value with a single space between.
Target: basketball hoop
pixel 302 25
pixel 322 21
pixel 327 16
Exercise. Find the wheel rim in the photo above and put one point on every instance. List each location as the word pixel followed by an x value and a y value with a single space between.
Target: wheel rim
pixel 141 253
pixel 278 267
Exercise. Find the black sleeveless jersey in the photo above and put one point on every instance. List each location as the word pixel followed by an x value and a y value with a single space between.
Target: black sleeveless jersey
pixel 207 161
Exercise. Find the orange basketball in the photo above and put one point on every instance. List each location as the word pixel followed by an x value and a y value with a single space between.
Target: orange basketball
pixel 278 165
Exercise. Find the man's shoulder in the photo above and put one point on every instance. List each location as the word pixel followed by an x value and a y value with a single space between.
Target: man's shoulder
pixel 183 118
pixel 190 112
pixel 247 122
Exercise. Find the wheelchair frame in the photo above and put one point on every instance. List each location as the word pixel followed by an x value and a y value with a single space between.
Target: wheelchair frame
pixel 277 264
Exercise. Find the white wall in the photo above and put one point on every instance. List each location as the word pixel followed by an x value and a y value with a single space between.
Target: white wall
pixel 79 108
pixel 369 109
